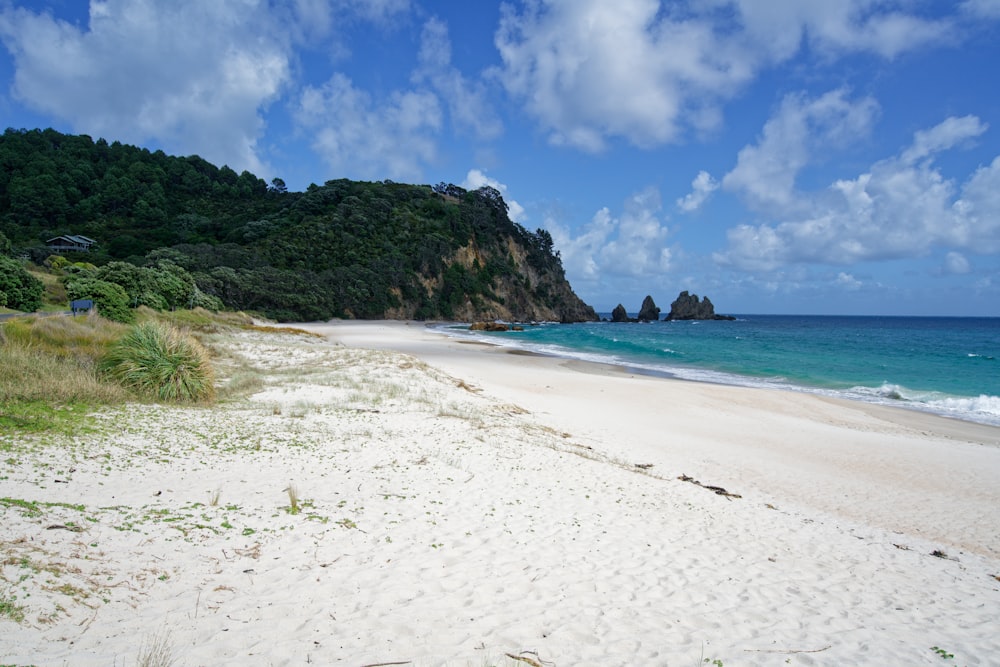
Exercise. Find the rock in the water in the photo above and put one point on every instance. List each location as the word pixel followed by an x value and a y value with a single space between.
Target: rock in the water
pixel 619 314
pixel 489 326
pixel 690 307
pixel 649 312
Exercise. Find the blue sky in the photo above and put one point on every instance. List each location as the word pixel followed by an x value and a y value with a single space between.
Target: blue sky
pixel 778 156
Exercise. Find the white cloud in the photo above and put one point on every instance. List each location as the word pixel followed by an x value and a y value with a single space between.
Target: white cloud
pixel 702 188
pixel 955 262
pixel 192 75
pixel 378 11
pixel 766 172
pixel 836 28
pixel 476 179
pixel 952 132
pixel 849 282
pixel 903 207
pixel 466 100
pixel 632 245
pixel 396 135
pixel 988 9
pixel 360 138
pixel 649 72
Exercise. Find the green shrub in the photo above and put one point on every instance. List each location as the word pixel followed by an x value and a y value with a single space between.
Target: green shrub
pixel 110 299
pixel 22 291
pixel 161 362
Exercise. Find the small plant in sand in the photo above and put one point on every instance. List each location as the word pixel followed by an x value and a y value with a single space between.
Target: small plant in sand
pixel 293 499
pixel 159 361
pixel 944 655
pixel 156 651
pixel 10 609
pixel 213 499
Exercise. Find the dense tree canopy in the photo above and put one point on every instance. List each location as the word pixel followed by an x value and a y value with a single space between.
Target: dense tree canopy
pixel 174 230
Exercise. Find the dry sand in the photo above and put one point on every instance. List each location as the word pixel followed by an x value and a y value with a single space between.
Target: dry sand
pixel 457 505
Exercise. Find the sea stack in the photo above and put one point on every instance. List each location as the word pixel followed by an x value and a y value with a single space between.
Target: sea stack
pixel 690 307
pixel 649 312
pixel 619 314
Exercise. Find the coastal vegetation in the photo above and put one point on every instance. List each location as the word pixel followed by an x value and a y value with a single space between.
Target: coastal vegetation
pixel 54 371
pixel 160 361
pixel 173 232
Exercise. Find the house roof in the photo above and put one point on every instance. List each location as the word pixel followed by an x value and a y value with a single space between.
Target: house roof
pixel 73 238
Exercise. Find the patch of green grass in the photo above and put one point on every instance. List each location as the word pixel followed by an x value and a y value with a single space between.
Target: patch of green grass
pixel 35 507
pixel 38 416
pixel 10 609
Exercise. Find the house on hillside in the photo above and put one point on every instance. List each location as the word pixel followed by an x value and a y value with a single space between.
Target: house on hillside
pixel 70 243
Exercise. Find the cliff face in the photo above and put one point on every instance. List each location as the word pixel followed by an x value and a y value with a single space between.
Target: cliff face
pixel 526 294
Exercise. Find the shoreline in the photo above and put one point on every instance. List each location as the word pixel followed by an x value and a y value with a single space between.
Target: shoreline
pixel 898 469
pixel 752 382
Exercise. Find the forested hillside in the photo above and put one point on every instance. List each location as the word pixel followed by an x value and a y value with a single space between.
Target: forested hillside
pixel 342 249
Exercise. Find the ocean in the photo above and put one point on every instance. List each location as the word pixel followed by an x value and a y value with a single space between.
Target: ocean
pixel 944 365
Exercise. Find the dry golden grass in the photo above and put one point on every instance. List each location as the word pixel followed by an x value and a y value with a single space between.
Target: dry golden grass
pixel 54 359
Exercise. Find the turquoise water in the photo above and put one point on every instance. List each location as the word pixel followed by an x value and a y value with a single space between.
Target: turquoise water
pixel 948 366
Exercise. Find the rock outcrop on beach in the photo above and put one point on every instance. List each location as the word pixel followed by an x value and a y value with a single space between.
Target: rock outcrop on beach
pixel 690 307
pixel 619 314
pixel 649 312
pixel 494 326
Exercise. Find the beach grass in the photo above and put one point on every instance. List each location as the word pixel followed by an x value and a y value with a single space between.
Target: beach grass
pixel 156 651
pixel 161 362
pixel 48 377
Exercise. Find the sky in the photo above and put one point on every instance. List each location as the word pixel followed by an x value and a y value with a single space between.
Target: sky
pixel 778 156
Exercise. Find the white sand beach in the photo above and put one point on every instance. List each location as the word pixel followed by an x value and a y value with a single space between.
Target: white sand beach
pixel 392 496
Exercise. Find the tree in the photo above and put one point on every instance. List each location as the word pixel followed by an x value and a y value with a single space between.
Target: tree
pixel 110 299
pixel 19 290
pixel 278 185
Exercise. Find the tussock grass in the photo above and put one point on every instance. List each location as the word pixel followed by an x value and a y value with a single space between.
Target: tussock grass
pixel 161 362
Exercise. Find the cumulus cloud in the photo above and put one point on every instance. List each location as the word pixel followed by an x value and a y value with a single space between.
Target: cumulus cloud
pixel 397 134
pixel 356 136
pixel 902 207
pixel 477 178
pixel 632 244
pixel 649 72
pixel 765 172
pixel 192 75
pixel 849 282
pixel 702 188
